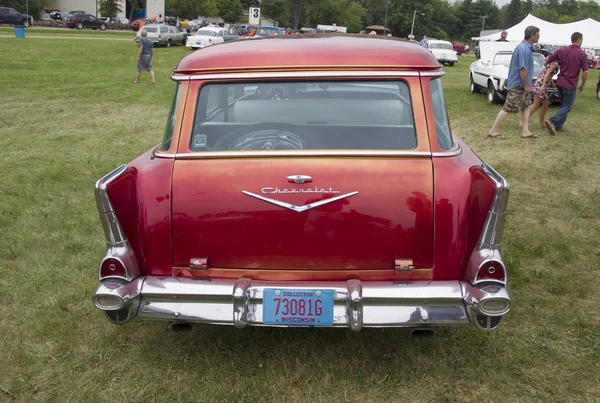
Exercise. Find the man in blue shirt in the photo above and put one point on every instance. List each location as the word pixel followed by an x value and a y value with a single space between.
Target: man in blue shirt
pixel 520 76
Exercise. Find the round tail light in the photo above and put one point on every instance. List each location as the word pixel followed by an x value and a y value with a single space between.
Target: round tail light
pixel 112 267
pixel 491 270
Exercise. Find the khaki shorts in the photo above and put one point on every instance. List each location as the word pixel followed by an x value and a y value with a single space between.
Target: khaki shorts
pixel 516 100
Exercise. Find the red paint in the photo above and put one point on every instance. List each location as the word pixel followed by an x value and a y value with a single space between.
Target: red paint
pixel 141 198
pixel 297 51
pixel 390 218
pixel 463 195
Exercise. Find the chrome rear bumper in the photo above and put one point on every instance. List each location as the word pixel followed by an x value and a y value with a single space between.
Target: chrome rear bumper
pixel 357 304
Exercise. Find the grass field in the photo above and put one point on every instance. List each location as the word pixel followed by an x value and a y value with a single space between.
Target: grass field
pixel 69 113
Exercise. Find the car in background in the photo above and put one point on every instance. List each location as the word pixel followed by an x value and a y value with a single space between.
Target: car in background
pixel 598 88
pixel 163 35
pixel 81 21
pixel 59 16
pixel 288 194
pixel 492 76
pixel 9 15
pixel 459 48
pixel 268 31
pixel 45 17
pixel 206 36
pixel 77 12
pixel 120 20
pixel 136 24
pixel 443 51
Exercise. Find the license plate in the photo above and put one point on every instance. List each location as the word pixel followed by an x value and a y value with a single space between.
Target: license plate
pixel 297 307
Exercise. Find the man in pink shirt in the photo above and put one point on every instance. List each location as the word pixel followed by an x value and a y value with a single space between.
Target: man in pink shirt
pixel 571 60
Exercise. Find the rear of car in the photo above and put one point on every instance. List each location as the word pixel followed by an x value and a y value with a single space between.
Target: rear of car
pixel 443 52
pixel 152 32
pixel 305 197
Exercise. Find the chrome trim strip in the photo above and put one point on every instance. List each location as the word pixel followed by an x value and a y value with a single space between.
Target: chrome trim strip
pixel 299 74
pixel 449 153
pixel 433 73
pixel 299 209
pixel 117 245
pixel 490 240
pixel 311 153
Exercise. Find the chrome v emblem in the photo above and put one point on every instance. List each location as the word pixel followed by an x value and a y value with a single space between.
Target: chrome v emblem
pixel 299 209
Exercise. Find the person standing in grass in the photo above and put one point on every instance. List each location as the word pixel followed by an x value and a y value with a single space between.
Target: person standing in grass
pixel 571 60
pixel 144 60
pixel 520 76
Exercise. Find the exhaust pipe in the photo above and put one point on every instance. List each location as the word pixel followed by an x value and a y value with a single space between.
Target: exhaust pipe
pixel 181 327
pixel 421 332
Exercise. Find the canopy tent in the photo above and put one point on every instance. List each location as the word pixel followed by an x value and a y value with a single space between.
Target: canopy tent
pixel 551 33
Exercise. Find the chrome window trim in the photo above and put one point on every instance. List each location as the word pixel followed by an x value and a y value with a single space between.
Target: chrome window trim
pixel 305 74
pixel 312 153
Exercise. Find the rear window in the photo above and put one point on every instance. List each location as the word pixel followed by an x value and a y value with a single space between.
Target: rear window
pixel 150 29
pixel 206 32
pixel 304 116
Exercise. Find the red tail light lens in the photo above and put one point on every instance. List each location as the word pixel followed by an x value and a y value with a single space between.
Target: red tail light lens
pixel 158 36
pixel 112 267
pixel 491 270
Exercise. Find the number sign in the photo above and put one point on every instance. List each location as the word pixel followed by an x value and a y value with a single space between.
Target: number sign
pixel 254 16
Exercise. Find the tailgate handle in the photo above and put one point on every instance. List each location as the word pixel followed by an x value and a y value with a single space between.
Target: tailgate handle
pixel 199 263
pixel 403 265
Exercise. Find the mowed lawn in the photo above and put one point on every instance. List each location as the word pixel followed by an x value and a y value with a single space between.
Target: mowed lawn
pixel 69 113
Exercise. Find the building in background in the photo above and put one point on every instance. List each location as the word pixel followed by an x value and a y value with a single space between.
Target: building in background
pixel 153 8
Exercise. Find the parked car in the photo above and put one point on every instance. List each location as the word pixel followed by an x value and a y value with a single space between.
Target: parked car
pixel 163 35
pixel 120 20
pixel 268 31
pixel 459 48
pixel 45 17
pixel 81 21
pixel 9 15
pixel 285 193
pixel 443 51
pixel 77 12
pixel 491 76
pixel 206 36
pixel 135 24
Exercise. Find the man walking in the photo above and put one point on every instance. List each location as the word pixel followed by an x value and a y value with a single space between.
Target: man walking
pixel 571 60
pixel 520 76
pixel 144 60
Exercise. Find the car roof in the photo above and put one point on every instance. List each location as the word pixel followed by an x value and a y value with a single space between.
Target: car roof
pixel 438 41
pixel 216 29
pixel 331 51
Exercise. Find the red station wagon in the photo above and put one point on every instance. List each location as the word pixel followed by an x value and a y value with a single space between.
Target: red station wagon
pixel 309 186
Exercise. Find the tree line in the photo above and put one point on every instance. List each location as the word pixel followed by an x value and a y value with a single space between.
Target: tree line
pixel 444 19
pixel 459 20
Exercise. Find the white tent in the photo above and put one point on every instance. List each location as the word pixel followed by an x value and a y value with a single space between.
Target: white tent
pixel 551 33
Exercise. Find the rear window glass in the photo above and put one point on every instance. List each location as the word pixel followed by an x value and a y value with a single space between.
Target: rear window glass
pixel 206 32
pixel 304 116
pixel 150 29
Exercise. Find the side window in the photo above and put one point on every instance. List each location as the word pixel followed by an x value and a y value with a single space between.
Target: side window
pixel 163 30
pixel 168 137
pixel 442 125
pixel 172 30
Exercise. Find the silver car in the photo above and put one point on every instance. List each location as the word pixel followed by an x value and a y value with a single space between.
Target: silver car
pixel 162 35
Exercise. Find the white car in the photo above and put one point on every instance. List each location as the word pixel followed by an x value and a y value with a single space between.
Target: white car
pixel 443 51
pixel 206 36
pixel 491 76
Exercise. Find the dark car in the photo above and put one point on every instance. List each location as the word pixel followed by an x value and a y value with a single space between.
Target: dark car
pixel 58 16
pixel 81 21
pixel 11 16
pixel 135 24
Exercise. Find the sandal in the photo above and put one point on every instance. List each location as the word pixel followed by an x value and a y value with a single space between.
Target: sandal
pixel 531 136
pixel 495 136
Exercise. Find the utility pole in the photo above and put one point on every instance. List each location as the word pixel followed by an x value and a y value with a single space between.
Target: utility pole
pixel 483 17
pixel 413 24
pixel 385 21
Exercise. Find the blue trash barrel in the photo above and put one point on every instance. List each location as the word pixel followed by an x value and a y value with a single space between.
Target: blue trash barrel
pixel 19 31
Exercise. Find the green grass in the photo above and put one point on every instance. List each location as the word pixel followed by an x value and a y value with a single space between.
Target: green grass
pixel 69 114
pixel 70 32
